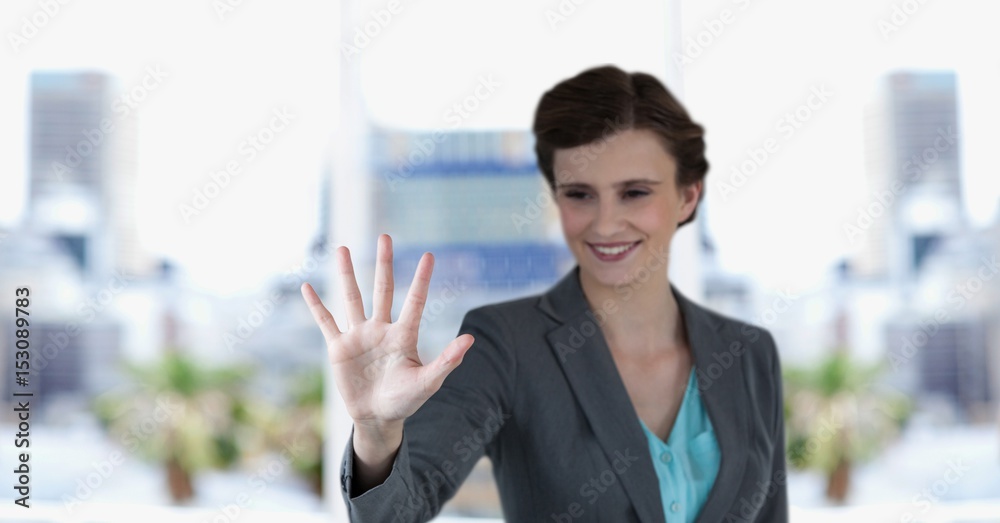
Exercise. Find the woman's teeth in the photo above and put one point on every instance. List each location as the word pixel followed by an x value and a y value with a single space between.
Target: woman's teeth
pixel 613 250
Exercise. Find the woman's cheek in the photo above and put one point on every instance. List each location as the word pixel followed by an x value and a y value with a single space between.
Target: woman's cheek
pixel 571 221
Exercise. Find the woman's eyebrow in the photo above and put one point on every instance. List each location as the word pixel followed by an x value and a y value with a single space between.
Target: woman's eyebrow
pixel 625 183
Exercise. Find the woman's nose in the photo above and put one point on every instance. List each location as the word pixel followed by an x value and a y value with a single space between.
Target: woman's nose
pixel 608 221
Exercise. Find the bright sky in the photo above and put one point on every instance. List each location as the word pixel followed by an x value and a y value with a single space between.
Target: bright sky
pixel 225 77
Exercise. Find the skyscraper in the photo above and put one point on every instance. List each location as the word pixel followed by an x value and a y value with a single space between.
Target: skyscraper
pixel 924 131
pixel 912 139
pixel 925 161
pixel 81 201
pixel 477 199
pixel 82 172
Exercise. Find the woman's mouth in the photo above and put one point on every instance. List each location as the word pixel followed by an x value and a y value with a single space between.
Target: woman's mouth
pixel 610 252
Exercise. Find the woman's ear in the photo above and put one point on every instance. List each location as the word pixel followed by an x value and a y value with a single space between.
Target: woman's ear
pixel 690 195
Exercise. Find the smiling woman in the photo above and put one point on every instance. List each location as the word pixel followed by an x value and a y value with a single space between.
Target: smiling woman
pixel 567 390
pixel 623 207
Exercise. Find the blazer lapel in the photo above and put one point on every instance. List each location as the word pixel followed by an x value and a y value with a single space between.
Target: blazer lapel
pixel 582 351
pixel 719 370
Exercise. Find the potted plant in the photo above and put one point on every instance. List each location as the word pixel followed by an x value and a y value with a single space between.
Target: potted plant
pixel 838 415
pixel 298 428
pixel 181 413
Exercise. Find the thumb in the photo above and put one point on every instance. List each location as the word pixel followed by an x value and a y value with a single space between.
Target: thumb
pixel 434 373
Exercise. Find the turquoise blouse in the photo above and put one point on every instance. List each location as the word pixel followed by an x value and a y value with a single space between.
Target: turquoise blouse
pixel 688 462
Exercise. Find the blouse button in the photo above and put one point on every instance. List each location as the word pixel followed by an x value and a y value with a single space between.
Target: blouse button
pixel 666 457
pixel 674 507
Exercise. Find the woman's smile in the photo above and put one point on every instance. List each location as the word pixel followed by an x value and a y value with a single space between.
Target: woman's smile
pixel 612 252
pixel 621 207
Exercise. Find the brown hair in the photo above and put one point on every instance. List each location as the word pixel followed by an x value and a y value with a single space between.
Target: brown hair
pixel 604 100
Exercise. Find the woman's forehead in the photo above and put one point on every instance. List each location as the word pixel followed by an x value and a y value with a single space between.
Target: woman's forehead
pixel 625 156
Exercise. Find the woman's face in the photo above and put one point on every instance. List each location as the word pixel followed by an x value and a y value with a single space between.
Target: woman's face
pixel 620 205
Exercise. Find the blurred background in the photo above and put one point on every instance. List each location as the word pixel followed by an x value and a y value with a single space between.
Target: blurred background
pixel 170 174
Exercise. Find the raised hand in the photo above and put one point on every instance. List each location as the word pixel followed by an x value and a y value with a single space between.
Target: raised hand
pixel 375 362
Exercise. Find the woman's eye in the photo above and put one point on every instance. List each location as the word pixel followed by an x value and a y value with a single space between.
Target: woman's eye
pixel 634 193
pixel 576 195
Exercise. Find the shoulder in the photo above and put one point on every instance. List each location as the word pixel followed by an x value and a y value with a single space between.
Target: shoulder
pixel 501 328
pixel 517 312
pixel 753 348
pixel 755 339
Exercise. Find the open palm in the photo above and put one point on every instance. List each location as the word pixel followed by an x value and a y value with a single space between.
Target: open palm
pixel 375 362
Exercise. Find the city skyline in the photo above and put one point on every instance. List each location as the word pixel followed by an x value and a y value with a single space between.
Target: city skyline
pixel 177 173
pixel 290 168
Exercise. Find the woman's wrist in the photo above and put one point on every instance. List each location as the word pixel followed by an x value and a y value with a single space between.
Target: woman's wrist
pixel 375 448
pixel 379 432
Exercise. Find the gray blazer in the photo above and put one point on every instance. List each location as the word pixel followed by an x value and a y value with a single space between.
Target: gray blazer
pixel 539 393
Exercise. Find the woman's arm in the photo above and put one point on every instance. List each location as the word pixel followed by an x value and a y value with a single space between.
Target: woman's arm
pixel 775 509
pixel 445 438
pixel 377 368
pixel 375 449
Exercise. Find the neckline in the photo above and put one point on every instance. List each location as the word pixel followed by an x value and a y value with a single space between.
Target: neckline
pixel 684 401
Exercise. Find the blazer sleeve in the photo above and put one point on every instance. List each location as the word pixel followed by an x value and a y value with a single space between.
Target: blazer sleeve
pixel 775 509
pixel 448 435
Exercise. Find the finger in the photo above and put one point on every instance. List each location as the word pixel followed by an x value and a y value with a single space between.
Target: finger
pixel 320 313
pixel 382 299
pixel 416 297
pixel 353 304
pixel 433 374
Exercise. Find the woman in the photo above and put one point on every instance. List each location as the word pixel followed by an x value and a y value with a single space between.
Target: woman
pixel 609 398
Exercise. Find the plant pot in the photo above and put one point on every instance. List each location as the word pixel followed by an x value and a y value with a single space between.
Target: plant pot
pixel 838 482
pixel 178 481
pixel 316 484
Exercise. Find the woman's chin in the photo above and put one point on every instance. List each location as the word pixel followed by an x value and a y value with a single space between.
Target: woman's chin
pixel 632 275
pixel 608 276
